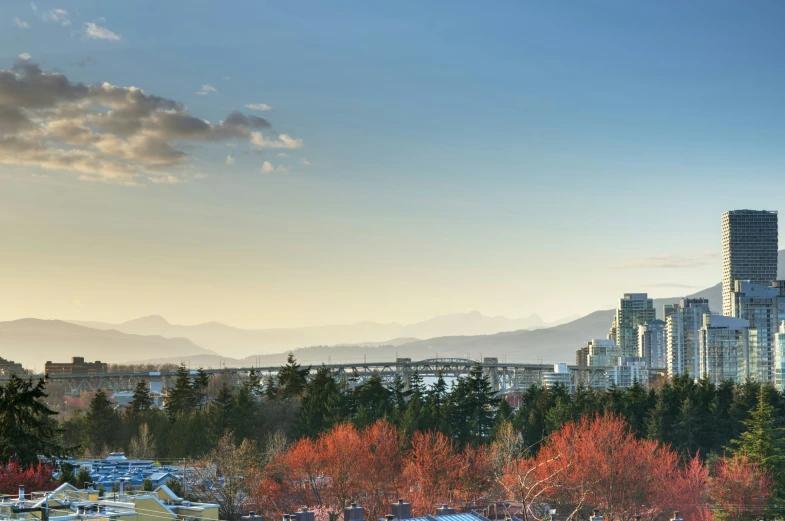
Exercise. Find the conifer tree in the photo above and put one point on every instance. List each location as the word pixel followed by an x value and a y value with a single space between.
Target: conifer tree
pixel 142 401
pixel 27 428
pixel 102 422
pixel 292 379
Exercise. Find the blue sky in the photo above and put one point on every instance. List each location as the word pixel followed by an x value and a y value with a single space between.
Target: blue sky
pixel 513 157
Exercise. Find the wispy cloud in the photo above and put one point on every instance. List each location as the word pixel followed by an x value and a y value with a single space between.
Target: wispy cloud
pixel 305 162
pixel 262 107
pixel 205 90
pixel 669 261
pixel 78 303
pixel 673 285
pixel 104 132
pixel 21 23
pixel 96 32
pixel 230 160
pixel 283 141
pixel 269 168
pixel 56 16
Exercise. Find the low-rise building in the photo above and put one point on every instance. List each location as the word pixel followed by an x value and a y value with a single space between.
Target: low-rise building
pixel 77 365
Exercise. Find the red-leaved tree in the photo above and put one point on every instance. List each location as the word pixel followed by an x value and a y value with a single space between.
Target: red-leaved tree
pixel 35 478
pixel 740 488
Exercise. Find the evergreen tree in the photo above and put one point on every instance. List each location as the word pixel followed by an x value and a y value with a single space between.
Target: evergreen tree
pixel 67 474
pixel 398 393
pixel 83 477
pixel 142 401
pixel 764 442
pixel 147 485
pixel 27 427
pixel 223 411
pixel 200 385
pixel 292 379
pixel 271 392
pixel 102 422
pixel 321 405
pixel 373 401
pixel 435 399
pixel 181 398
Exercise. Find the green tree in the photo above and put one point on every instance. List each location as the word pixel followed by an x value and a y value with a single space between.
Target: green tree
pixel 764 442
pixel 181 398
pixel 83 477
pixel 292 379
pixel 200 385
pixel 372 400
pixel 321 405
pixel 175 486
pixel 102 422
pixel 27 427
pixel 147 485
pixel 142 401
pixel 67 474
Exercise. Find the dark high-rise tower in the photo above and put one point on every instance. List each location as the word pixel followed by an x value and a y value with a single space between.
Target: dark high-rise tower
pixel 749 250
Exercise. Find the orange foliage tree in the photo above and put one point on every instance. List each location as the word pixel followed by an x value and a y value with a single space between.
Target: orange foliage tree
pixel 598 463
pixel 35 478
pixel 342 466
pixel 740 488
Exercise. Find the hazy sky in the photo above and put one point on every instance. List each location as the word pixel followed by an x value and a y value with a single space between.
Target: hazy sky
pixel 414 158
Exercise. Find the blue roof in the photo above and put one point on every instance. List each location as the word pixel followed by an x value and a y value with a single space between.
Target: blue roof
pixel 468 516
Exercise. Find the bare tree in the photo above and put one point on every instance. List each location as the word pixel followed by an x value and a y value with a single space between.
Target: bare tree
pixel 143 446
pixel 221 477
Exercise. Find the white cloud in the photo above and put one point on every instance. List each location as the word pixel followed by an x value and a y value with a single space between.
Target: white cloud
pixel 103 132
pixel 669 261
pixel 282 154
pixel 57 16
pixel 283 141
pixel 229 160
pixel 21 23
pixel 262 107
pixel 34 7
pixel 96 32
pixel 205 90
pixel 282 168
pixel 267 167
pixel 305 162
pixel 78 303
pixel 24 56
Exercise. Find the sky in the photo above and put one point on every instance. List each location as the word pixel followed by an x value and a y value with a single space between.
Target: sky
pixel 279 164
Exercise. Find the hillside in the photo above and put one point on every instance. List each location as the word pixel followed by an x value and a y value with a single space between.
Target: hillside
pixel 32 342
pixel 239 343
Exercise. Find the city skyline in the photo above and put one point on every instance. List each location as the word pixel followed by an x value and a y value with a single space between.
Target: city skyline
pixel 532 152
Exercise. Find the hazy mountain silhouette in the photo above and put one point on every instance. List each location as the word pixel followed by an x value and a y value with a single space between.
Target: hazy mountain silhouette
pixel 32 342
pixel 236 342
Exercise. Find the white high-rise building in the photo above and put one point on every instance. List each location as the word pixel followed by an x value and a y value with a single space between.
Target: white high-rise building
pixel 749 250
pixel 652 344
pixel 724 348
pixel 779 358
pixel 634 310
pixel 602 353
pixel 757 304
pixel 628 370
pixel 683 322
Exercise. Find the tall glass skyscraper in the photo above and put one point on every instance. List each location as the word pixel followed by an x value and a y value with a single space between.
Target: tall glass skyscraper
pixel 749 250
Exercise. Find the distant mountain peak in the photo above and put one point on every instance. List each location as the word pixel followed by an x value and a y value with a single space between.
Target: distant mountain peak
pixel 149 321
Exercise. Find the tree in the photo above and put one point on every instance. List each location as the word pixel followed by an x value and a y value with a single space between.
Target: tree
pixel 600 462
pixel 740 488
pixel 67 474
pixel 764 443
pixel 27 429
pixel 176 486
pixel 320 408
pixel 432 471
pixel 102 422
pixel 222 476
pixel 147 485
pixel 199 386
pixel 292 380
pixel 36 477
pixel 181 398
pixel 83 477
pixel 143 445
pixel 142 401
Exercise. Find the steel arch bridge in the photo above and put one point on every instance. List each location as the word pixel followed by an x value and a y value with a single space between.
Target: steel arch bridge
pixel 504 377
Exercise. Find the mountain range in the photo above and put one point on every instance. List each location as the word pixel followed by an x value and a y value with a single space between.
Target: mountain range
pixel 153 339
pixel 236 342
